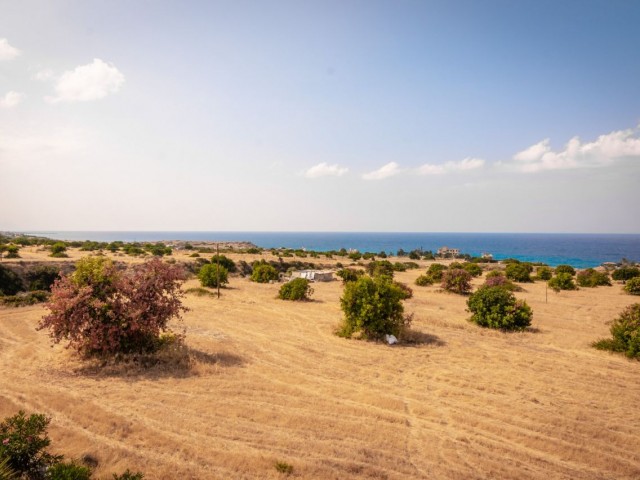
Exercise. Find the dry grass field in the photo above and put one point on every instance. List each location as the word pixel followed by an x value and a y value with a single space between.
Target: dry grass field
pixel 273 383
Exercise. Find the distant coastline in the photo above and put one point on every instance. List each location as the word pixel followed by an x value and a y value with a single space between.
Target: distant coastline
pixel 579 250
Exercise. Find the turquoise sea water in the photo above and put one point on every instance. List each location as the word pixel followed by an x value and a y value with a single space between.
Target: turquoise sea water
pixel 579 250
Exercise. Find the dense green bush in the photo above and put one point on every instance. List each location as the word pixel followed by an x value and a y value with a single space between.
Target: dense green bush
pixel 211 275
pixel 519 272
pixel 473 268
pixel 592 278
pixel 562 281
pixel 226 262
pixel 565 269
pixel 68 471
pixel 501 281
pixel 297 289
pixel 625 332
pixel 633 286
pixel 373 307
pixel 13 251
pixel 10 282
pixel 406 290
pixel 496 307
pixel 435 271
pixel 349 274
pixel 456 281
pixel 380 267
pixel 42 277
pixel 544 273
pixel 59 250
pixel 625 273
pixel 424 280
pixel 23 441
pixel 264 273
pixel 25 299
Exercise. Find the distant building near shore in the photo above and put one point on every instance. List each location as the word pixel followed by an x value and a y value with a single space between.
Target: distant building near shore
pixel 445 252
pixel 487 256
pixel 314 275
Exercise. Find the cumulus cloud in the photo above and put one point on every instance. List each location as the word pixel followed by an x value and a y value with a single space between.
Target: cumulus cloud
pixel 88 82
pixel 324 169
pixel 388 170
pixel 467 164
pixel 11 99
pixel 7 52
pixel 603 151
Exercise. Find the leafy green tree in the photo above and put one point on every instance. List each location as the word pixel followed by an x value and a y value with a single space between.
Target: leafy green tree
pixel 349 274
pixel 562 281
pixel 519 272
pixel 496 307
pixel 10 282
pixel 457 281
pixel 264 273
pixel 625 332
pixel 380 267
pixel 297 289
pixel 373 307
pixel 473 268
pixel 544 273
pixel 211 275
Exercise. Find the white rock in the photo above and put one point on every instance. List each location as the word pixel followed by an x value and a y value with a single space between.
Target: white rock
pixel 391 339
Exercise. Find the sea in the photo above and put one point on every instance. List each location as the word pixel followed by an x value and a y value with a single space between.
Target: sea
pixel 579 250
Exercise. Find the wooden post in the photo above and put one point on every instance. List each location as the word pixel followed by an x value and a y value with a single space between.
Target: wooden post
pixel 546 298
pixel 218 268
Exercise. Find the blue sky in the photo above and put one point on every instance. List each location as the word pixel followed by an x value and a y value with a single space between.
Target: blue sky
pixel 495 116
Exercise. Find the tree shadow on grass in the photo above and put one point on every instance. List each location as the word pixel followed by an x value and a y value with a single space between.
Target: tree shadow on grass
pixel 176 362
pixel 415 338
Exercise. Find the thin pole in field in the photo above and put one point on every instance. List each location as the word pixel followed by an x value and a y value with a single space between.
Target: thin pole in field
pixel 218 267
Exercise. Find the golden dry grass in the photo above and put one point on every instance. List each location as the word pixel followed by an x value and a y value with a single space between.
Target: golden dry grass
pixel 273 383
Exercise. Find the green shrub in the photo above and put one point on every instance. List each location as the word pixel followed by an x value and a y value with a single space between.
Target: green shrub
pixel 23 442
pixel 297 289
pixel 13 251
pixel 400 267
pixel 58 250
pixel 592 278
pixel 457 281
pixel 212 275
pixel 473 268
pixel 562 281
pixel 195 255
pixel 435 271
pixel 496 307
pixel 565 269
pixel 625 273
pixel 349 274
pixel 25 299
pixel 519 272
pixel 544 273
pixel 284 467
pixel 10 282
pixel 409 266
pixel 625 332
pixel 406 289
pixel 501 281
pixel 373 307
pixel 633 286
pixel 68 471
pixel 42 277
pixel 380 267
pixel 226 262
pixel 199 292
pixel 264 273
pixel 424 280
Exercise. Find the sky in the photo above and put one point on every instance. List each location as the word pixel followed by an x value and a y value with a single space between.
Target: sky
pixel 407 116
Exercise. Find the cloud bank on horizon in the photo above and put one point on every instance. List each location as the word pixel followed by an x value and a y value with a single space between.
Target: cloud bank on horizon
pixel 367 132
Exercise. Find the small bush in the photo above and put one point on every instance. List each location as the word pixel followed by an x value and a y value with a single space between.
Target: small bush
pixel 406 289
pixel 633 286
pixel 199 292
pixel 424 280
pixel 457 281
pixel 519 272
pixel 496 307
pixel 59 250
pixel 68 471
pixel 625 332
pixel 264 273
pixel 12 251
pixel 565 269
pixel 380 267
pixel 625 273
pixel 501 281
pixel 10 282
pixel 128 475
pixel 42 277
pixel 592 278
pixel 212 275
pixel 226 262
pixel 297 289
pixel 562 281
pixel 435 271
pixel 23 442
pixel 25 299
pixel 373 307
pixel 544 273
pixel 473 268
pixel 349 274
pixel 284 467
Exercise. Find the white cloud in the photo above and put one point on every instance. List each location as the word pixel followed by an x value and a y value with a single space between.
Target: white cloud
pixel 467 164
pixel 601 152
pixel 44 75
pixel 388 170
pixel 324 169
pixel 11 99
pixel 88 82
pixel 7 52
